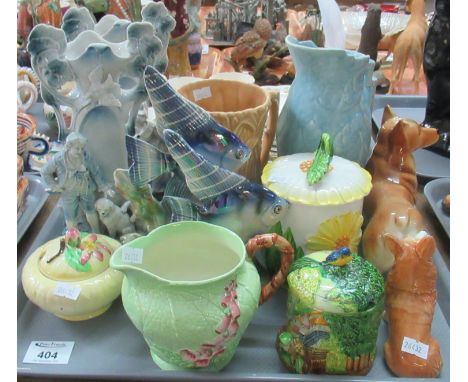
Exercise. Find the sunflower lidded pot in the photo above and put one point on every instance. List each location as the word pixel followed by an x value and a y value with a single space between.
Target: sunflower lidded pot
pixel 335 305
pixel 326 194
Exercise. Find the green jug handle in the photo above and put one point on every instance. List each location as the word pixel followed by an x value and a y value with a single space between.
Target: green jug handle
pixel 269 240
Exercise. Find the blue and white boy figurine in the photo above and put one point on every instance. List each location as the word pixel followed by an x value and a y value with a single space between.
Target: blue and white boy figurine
pixel 74 174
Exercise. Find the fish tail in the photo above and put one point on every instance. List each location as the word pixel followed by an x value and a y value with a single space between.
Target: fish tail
pixel 147 162
pixel 203 179
pixel 173 111
pixel 179 209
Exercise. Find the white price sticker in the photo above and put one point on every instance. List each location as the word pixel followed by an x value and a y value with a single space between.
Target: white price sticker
pixel 205 49
pixel 132 255
pixel 415 347
pixel 67 290
pixel 202 93
pixel 50 352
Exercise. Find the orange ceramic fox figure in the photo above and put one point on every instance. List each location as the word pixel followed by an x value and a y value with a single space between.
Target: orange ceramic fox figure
pixel 390 206
pixel 410 298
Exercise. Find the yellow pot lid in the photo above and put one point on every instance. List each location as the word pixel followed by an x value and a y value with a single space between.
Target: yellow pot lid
pixel 344 182
pixel 67 267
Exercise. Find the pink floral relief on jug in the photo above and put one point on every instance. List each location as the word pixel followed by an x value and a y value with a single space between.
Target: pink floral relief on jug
pixel 190 289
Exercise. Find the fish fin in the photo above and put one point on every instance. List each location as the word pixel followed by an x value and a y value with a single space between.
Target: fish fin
pixel 173 111
pixel 205 180
pixel 179 209
pixel 178 188
pixel 148 162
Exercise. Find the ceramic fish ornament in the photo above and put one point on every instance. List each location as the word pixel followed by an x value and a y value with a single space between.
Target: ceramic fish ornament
pixel 224 198
pixel 322 160
pixel 207 137
pixel 204 179
pixel 147 162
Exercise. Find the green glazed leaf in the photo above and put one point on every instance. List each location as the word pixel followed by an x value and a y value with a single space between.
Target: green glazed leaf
pixel 322 160
pixel 72 256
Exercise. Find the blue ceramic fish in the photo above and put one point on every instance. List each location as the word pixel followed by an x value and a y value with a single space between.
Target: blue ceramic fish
pixel 207 137
pixel 218 196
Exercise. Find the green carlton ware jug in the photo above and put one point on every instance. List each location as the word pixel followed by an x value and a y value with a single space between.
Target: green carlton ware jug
pixel 191 291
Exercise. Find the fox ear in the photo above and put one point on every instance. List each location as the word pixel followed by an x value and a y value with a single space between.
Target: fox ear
pixel 426 246
pixel 397 138
pixel 387 114
pixel 393 245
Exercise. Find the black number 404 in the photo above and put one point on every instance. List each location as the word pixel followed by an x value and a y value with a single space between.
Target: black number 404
pixel 47 355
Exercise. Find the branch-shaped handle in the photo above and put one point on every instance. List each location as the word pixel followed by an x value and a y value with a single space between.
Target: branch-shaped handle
pixel 270 130
pixel 287 256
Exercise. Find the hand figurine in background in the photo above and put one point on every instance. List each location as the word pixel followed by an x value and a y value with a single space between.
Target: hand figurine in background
pixel 74 174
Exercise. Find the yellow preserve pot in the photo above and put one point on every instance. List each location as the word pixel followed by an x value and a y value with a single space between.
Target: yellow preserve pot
pixel 70 276
pixel 326 215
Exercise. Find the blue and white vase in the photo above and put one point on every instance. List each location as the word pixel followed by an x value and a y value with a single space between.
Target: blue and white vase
pixel 333 93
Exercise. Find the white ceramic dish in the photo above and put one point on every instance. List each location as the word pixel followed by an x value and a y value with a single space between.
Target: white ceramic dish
pixel 435 191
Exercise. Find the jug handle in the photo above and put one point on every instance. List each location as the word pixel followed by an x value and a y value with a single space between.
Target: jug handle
pixel 287 256
pixel 270 130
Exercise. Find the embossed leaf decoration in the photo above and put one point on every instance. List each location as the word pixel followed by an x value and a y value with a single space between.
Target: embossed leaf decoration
pixel 72 256
pixel 322 160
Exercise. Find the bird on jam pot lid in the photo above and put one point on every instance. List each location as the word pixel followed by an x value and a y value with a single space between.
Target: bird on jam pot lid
pixel 339 257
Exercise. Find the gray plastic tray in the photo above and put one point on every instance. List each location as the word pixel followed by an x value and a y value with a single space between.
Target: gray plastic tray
pixel 36 196
pixel 109 346
pixel 435 191
pixel 428 164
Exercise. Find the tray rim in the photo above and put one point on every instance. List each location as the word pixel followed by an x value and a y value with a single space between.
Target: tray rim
pixel 428 189
pixel 21 226
pixel 56 217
